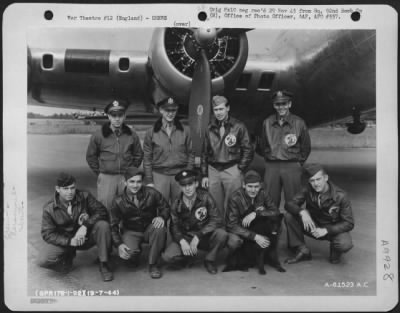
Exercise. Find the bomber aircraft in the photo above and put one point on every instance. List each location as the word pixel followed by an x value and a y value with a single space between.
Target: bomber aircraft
pixel 330 72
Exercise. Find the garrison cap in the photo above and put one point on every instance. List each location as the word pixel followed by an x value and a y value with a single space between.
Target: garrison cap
pixel 312 169
pixel 65 179
pixel 281 96
pixel 251 177
pixel 185 177
pixel 218 100
pixel 133 171
pixel 116 105
pixel 168 103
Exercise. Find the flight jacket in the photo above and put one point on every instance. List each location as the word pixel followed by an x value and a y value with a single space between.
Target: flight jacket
pixel 201 220
pixel 111 154
pixel 233 148
pixel 165 154
pixel 240 205
pixel 335 213
pixel 58 227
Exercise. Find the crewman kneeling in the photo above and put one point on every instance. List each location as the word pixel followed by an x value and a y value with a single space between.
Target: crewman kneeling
pixel 247 204
pixel 74 220
pixel 195 223
pixel 327 216
pixel 142 212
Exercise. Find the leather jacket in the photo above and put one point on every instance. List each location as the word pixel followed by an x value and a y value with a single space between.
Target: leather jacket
pixel 335 213
pixel 58 227
pixel 165 154
pixel 111 154
pixel 137 218
pixel 240 205
pixel 233 148
pixel 201 220
pixel 289 142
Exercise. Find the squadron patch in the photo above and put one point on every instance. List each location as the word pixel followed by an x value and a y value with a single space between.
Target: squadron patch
pixel 230 140
pixel 334 211
pixel 201 213
pixel 290 139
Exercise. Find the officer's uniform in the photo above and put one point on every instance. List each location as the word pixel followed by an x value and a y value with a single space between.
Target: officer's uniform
pixel 136 219
pixel 225 157
pixel 59 226
pixel 331 210
pixel 202 220
pixel 240 205
pixel 166 153
pixel 286 146
pixel 110 153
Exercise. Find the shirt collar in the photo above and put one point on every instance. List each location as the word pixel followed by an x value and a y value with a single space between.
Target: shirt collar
pixel 57 203
pixel 286 119
pixel 139 194
pixel 217 124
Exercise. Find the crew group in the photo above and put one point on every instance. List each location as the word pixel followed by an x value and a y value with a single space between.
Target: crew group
pixel 208 210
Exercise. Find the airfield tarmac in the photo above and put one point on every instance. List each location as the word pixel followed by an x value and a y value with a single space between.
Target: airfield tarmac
pixel 352 169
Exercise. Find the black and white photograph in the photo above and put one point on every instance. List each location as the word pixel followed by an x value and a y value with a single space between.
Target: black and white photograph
pixel 185 160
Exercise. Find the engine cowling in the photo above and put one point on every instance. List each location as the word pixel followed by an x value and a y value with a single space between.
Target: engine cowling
pixel 173 53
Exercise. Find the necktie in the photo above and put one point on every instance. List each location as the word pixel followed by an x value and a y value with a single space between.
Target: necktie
pixel 319 200
pixel 168 129
pixel 136 201
pixel 281 121
pixel 222 130
pixel 117 132
pixel 69 209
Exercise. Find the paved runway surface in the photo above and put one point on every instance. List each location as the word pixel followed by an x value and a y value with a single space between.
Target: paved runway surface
pixel 353 170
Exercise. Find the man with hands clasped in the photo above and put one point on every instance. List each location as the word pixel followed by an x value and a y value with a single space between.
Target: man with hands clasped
pixel 327 216
pixel 196 224
pixel 74 220
pixel 139 214
pixel 245 205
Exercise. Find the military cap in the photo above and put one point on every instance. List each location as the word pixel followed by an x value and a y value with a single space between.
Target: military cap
pixel 281 96
pixel 312 169
pixel 251 177
pixel 185 177
pixel 115 106
pixel 218 100
pixel 65 179
pixel 132 171
pixel 168 103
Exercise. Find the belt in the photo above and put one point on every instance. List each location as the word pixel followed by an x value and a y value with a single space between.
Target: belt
pixel 222 166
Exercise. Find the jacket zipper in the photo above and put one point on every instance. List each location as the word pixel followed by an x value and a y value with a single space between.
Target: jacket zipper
pixel 119 155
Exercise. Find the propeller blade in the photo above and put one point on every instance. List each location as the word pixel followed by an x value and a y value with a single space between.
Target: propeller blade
pixel 200 102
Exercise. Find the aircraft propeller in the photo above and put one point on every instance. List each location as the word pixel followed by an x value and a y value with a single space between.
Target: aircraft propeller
pixel 201 87
pixel 200 91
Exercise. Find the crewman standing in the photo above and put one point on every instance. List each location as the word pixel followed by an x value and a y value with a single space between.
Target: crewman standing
pixel 111 150
pixel 286 146
pixel 167 150
pixel 227 152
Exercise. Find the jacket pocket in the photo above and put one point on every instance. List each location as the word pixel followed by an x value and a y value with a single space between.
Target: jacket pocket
pixel 107 161
pixel 158 153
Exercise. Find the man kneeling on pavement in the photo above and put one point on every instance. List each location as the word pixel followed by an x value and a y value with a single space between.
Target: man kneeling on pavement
pixel 74 220
pixel 327 216
pixel 245 205
pixel 143 213
pixel 196 224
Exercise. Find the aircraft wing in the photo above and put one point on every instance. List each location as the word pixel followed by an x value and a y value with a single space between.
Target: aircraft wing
pixel 330 72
